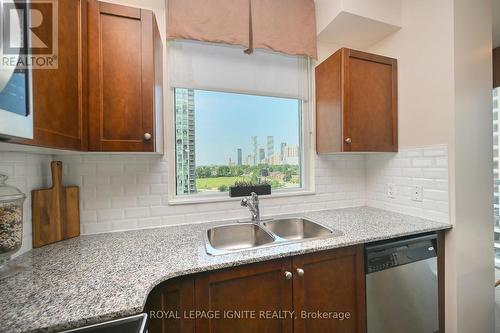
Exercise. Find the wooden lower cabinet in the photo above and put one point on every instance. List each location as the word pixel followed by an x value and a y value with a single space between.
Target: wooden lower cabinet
pixel 167 304
pixel 249 291
pixel 282 295
pixel 330 294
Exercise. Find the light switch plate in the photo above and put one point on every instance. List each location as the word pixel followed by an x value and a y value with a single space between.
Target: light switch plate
pixel 417 193
pixel 391 190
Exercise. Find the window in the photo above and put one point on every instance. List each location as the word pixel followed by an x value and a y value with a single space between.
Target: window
pixel 237 117
pixel 221 138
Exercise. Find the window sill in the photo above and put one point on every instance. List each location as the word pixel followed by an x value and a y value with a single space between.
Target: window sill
pixel 216 198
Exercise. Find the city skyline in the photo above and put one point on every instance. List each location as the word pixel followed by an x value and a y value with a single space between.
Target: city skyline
pixel 271 156
pixel 223 118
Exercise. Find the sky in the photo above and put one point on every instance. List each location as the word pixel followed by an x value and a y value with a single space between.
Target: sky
pixel 225 122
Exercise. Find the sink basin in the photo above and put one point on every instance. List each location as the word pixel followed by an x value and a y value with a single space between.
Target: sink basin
pixel 231 237
pixel 242 236
pixel 297 228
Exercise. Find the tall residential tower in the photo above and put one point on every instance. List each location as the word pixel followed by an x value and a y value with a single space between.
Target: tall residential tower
pixel 184 141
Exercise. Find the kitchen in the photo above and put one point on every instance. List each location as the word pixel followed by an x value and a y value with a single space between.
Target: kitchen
pixel 138 155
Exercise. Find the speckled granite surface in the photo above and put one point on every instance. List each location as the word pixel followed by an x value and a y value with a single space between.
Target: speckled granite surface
pixel 101 277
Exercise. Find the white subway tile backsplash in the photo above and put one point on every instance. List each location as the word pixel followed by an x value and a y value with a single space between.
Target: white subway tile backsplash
pixel 426 167
pixel 150 222
pixel 134 187
pixel 436 173
pixel 422 162
pixel 109 169
pixel 96 204
pixel 127 191
pixel 137 212
pixel 125 224
pixel 149 200
pixel 124 202
pixel 149 178
pixel 109 214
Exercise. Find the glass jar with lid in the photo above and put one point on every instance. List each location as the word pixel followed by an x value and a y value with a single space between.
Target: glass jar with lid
pixel 11 220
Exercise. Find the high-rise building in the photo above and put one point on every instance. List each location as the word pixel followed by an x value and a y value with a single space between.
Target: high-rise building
pixel 262 155
pixel 255 150
pixel 274 159
pixel 249 160
pixel 282 150
pixel 291 154
pixel 270 146
pixel 185 141
pixel 240 156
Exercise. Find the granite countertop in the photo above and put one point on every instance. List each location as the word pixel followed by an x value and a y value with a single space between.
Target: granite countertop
pixel 95 278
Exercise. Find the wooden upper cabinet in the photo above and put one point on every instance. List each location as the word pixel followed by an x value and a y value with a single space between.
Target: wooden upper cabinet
pixel 59 95
pixel 330 282
pixel 124 65
pixel 356 103
pixel 257 287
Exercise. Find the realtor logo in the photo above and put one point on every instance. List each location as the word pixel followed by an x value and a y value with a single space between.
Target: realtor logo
pixel 28 32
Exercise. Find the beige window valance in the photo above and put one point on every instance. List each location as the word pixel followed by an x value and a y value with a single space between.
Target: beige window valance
pixel 287 26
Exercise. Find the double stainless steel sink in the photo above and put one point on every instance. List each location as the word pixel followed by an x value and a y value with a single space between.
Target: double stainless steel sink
pixel 241 236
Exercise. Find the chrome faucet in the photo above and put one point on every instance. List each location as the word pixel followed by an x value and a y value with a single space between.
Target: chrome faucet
pixel 253 206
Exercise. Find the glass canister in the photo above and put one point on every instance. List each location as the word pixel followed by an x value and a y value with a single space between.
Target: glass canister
pixel 11 220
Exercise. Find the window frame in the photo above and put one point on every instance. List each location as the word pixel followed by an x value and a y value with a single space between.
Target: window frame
pixel 306 140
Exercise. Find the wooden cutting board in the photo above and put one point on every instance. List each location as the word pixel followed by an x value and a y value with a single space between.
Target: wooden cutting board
pixel 56 211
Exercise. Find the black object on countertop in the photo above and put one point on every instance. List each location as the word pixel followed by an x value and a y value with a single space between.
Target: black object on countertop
pixel 245 191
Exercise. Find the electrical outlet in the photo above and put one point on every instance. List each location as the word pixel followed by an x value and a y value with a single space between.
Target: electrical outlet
pixel 417 193
pixel 391 190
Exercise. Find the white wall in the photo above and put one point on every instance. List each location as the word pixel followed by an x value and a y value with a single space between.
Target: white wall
pixel 424 49
pixel 470 243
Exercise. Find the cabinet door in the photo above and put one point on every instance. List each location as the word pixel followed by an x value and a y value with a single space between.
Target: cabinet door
pixel 59 95
pixel 329 105
pixel 167 304
pixel 121 78
pixel 256 287
pixel 333 282
pixel 370 102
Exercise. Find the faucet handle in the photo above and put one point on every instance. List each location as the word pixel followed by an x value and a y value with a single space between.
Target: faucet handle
pixel 244 202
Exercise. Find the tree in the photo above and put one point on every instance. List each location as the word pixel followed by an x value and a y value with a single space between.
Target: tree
pixel 223 171
pixel 288 176
pixel 204 172
pixel 223 188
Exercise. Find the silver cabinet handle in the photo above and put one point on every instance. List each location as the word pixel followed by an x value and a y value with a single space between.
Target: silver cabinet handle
pixel 147 136
pixel 288 275
pixel 348 140
pixel 300 272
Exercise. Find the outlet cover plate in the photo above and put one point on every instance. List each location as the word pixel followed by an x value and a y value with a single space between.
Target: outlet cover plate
pixel 417 193
pixel 391 190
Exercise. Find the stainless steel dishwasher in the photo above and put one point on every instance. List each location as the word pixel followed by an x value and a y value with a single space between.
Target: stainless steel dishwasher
pixel 402 285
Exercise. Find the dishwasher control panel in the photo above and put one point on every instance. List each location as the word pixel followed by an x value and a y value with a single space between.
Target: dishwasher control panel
pixel 388 254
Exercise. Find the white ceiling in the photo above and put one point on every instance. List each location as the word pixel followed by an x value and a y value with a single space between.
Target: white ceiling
pixel 496 23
